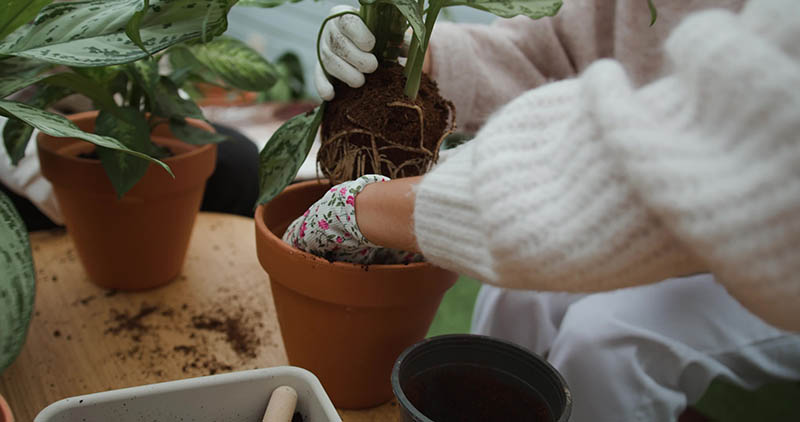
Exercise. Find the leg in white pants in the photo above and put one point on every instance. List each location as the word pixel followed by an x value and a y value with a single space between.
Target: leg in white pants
pixel 642 354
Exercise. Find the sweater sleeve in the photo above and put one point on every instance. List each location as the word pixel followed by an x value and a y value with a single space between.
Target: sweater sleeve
pixel 592 184
pixel 481 67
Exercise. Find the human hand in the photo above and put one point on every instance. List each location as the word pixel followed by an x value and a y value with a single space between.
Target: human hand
pixel 344 50
pixel 328 229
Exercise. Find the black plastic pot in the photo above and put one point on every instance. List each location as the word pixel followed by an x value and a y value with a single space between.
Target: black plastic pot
pixel 465 378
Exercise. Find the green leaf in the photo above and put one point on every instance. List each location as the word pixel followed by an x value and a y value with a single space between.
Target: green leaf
pixel 534 9
pixel 124 170
pixel 59 126
pixel 22 67
pixel 102 75
pixel 290 84
pixel 17 13
pixel 264 3
pixel 73 81
pixel 235 63
pixel 17 134
pixel 12 84
pixel 97 93
pixel 193 134
pixel 168 103
pixel 186 66
pixel 17 282
pixel 410 10
pixel 134 25
pixel 653 12
pixel 92 32
pixel 285 152
pixel 145 73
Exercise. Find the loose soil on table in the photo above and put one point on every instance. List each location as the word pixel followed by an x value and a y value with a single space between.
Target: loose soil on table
pixel 377 129
pixel 237 326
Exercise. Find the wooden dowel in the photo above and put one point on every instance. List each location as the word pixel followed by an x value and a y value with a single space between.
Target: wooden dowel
pixel 281 405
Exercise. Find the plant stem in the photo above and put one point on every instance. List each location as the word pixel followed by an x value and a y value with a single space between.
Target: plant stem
pixel 413 49
pixel 415 74
pixel 388 25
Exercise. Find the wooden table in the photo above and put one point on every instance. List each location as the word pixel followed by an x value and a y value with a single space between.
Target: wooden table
pixel 218 316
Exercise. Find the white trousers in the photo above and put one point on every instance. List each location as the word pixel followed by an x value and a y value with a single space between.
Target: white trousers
pixel 643 353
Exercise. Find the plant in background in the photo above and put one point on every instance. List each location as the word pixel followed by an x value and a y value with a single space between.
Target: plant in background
pixel 17 282
pixel 111 51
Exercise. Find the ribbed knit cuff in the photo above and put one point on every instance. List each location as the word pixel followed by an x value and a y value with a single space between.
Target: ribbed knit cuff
pixel 445 219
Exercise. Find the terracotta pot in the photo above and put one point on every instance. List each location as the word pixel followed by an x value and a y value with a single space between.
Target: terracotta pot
pixel 5 411
pixel 217 96
pixel 346 323
pixel 139 241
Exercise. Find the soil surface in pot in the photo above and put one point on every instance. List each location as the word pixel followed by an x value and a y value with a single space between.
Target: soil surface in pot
pixel 468 393
pixel 377 129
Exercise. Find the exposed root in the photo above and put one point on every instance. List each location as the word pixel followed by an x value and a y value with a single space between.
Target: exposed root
pixel 421 120
pixel 356 151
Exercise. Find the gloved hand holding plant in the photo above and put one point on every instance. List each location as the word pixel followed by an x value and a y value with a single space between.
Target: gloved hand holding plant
pixel 329 229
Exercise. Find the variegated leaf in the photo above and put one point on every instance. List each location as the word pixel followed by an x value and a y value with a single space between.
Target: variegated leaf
pixel 12 84
pixel 124 170
pixel 186 65
pixel 534 9
pixel 168 103
pixel 74 81
pixel 264 3
pixel 17 134
pixel 235 63
pixel 102 75
pixel 92 32
pixel 22 67
pixel 134 25
pixel 410 10
pixel 145 73
pixel 285 152
pixel 17 282
pixel 193 134
pixel 59 126
pixel 17 13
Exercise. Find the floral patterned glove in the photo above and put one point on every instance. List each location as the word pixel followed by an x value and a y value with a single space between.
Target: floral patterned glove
pixel 328 229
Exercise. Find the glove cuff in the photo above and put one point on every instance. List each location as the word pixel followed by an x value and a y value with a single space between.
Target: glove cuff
pixel 350 190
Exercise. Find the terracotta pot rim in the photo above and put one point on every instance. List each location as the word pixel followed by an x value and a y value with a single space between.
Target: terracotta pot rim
pixel 201 149
pixel 287 249
pixel 5 410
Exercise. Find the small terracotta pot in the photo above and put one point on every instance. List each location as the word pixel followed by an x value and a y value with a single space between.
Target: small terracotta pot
pixel 5 411
pixel 346 323
pixel 217 96
pixel 139 241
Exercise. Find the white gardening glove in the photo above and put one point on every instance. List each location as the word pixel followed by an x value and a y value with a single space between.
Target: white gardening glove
pixel 328 229
pixel 344 50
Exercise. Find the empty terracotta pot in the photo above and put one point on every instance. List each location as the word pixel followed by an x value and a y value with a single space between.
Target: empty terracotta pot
pixel 139 241
pixel 346 323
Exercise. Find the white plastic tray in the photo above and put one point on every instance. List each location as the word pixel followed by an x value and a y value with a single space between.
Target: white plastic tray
pixel 235 397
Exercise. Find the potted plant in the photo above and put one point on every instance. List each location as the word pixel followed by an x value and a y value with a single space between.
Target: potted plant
pixel 17 289
pixel 347 323
pixel 130 219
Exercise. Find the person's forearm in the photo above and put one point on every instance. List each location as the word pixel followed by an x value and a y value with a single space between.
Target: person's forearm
pixel 385 213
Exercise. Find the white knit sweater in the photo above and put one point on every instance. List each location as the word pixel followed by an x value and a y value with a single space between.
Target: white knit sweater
pixel 602 182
